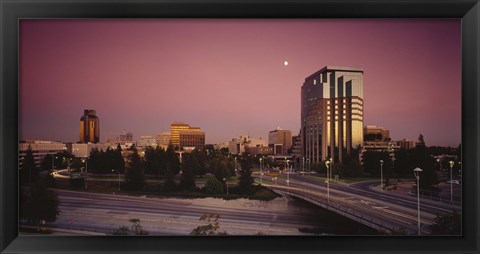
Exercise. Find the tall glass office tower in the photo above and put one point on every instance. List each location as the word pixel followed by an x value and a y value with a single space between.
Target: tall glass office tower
pixel 89 127
pixel 332 113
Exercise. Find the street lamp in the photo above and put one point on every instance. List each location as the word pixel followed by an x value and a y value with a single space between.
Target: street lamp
pixel 235 165
pixel 288 173
pixel 226 184
pixel 330 173
pixel 451 181
pixel 327 163
pixel 86 171
pixel 113 170
pixel 308 166
pixel 381 175
pixel 260 165
pixel 303 166
pixel 416 172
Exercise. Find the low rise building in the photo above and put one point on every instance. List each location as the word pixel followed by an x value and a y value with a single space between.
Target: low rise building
pixel 40 148
pixel 280 140
pixel 240 144
pixel 147 141
pixel 83 149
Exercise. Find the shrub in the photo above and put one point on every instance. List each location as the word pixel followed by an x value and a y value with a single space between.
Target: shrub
pixel 213 186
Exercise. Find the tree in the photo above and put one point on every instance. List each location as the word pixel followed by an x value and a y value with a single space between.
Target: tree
pixel 318 167
pixel 173 159
pixel 38 204
pixel 187 181
pixel 29 170
pixel 118 161
pixel 169 184
pixel 352 167
pixel 163 162
pixel 402 163
pixel 246 179
pixel 423 160
pixel 372 165
pixel 210 228
pixel 152 162
pixel 447 224
pixel 135 229
pixel 191 162
pixel 421 141
pixel 213 186
pixel 134 177
pixel 47 162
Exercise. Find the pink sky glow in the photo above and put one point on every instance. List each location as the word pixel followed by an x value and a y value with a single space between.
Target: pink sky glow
pixel 228 76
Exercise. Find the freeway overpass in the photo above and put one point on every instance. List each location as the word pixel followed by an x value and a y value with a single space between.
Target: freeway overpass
pixel 379 210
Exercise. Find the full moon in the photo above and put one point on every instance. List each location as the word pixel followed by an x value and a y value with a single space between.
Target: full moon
pixel 285 63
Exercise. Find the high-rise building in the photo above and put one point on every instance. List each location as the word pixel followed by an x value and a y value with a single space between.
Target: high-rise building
pixel 89 127
pixel 177 128
pixel 332 113
pixel 280 140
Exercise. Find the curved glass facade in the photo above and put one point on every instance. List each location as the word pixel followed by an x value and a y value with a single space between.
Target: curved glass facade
pixel 332 113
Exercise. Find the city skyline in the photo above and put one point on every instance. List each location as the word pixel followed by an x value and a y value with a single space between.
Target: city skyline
pixel 135 74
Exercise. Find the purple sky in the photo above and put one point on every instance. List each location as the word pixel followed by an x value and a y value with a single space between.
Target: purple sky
pixel 228 76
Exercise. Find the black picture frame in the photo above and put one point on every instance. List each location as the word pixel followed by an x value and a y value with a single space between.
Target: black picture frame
pixel 13 10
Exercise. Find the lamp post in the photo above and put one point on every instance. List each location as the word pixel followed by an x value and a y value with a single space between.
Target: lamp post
pixel 416 172
pixel 288 175
pixel 303 166
pixel 327 163
pixel 308 166
pixel 226 184
pixel 86 172
pixel 260 165
pixel 451 181
pixel 235 165
pixel 330 172
pixel 69 161
pixel 381 175
pixel 113 170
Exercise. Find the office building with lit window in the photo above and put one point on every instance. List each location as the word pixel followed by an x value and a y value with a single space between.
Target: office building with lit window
pixel 191 134
pixel 192 139
pixel 89 127
pixel 332 113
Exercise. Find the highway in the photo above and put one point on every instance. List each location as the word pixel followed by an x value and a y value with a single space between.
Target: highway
pixel 102 213
pixel 359 201
pixel 373 208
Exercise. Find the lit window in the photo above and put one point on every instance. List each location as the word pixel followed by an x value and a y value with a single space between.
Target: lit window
pixel 314 82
